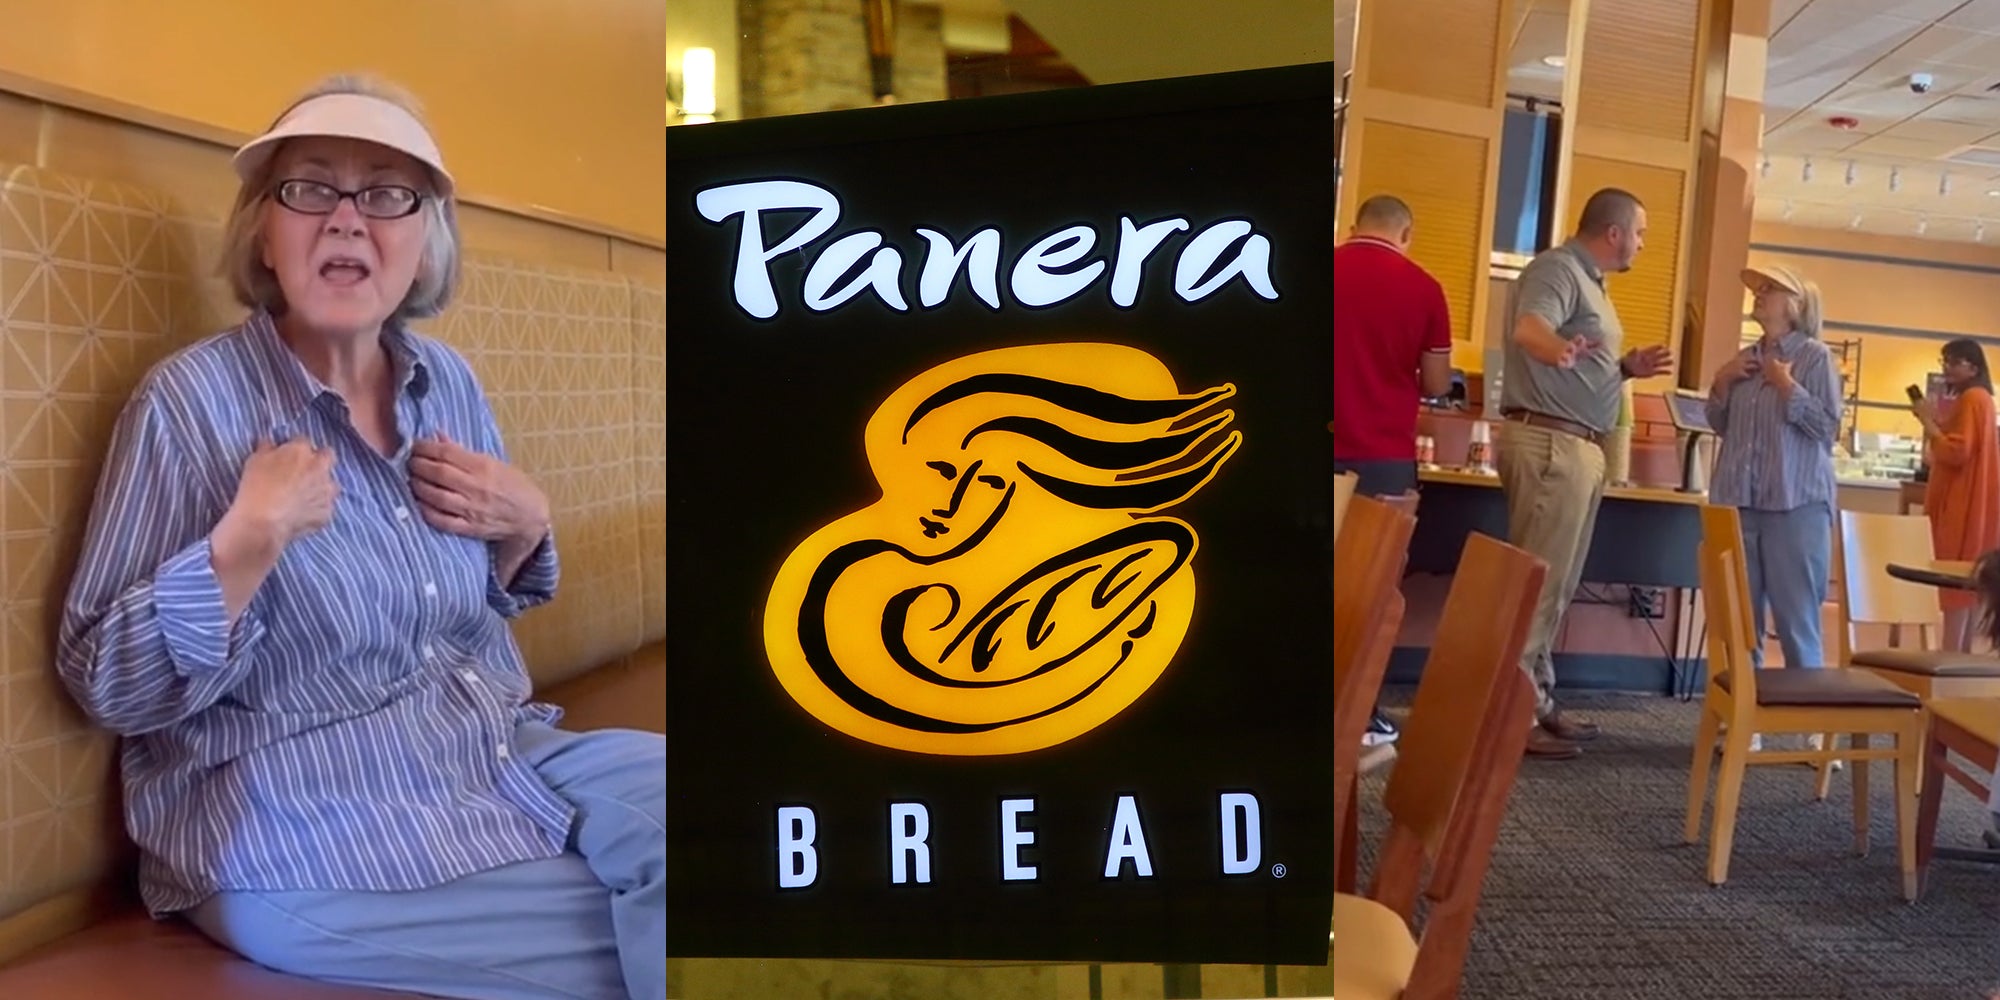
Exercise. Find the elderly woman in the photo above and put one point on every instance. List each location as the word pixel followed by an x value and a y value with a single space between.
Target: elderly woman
pixel 292 603
pixel 1777 407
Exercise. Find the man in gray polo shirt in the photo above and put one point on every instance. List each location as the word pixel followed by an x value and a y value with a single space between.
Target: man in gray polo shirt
pixel 1560 394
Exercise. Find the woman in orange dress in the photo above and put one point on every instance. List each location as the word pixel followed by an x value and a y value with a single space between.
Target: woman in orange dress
pixel 1963 498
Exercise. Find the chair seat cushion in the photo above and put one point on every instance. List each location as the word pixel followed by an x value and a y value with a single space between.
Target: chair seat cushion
pixel 1932 662
pixel 1831 687
pixel 1373 950
pixel 132 957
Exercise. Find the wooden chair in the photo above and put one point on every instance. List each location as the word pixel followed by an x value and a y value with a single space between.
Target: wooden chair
pixel 1460 750
pixel 1369 555
pixel 1749 702
pixel 1867 544
pixel 1343 494
pixel 1970 729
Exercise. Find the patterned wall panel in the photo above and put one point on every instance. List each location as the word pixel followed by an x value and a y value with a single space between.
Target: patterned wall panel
pixel 1442 177
pixel 88 300
pixel 1638 67
pixel 97 283
pixel 1645 295
pixel 1458 61
pixel 649 403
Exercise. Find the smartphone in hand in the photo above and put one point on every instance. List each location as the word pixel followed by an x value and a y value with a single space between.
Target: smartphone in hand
pixel 1916 395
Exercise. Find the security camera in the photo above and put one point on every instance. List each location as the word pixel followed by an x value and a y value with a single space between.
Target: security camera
pixel 1920 83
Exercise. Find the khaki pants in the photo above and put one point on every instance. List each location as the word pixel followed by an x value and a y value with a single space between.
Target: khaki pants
pixel 1553 482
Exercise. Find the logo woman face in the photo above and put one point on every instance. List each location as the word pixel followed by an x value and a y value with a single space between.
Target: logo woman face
pixel 1007 591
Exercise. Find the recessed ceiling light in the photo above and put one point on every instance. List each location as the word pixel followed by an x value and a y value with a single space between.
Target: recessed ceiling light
pixel 1993 192
pixel 1556 61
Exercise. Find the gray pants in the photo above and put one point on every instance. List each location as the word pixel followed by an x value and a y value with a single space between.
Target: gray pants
pixel 1553 482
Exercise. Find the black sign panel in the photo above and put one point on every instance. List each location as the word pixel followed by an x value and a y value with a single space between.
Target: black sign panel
pixel 999 527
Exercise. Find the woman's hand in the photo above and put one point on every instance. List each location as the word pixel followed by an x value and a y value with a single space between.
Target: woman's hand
pixel 1739 367
pixel 467 493
pixel 287 490
pixel 1926 411
pixel 1778 372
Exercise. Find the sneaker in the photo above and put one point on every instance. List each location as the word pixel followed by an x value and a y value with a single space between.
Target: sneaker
pixel 1380 731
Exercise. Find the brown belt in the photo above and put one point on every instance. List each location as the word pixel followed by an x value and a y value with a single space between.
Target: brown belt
pixel 1547 422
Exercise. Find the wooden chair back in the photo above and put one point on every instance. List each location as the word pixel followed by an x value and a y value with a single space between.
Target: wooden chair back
pixel 1369 556
pixel 1343 493
pixel 1867 544
pixel 1460 751
pixel 1725 594
pixel 1732 627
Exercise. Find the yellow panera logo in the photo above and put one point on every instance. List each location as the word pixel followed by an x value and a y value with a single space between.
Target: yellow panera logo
pixel 1009 591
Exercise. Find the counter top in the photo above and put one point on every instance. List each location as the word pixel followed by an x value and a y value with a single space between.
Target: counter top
pixel 1646 494
pixel 1870 483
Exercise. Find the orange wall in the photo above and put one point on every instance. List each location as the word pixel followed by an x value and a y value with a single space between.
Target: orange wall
pixel 1899 297
pixel 546 108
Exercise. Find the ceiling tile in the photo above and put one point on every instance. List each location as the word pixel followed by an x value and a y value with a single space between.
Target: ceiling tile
pixel 1809 139
pixel 1951 133
pixel 1784 10
pixel 1982 110
pixel 1979 15
pixel 1940 44
pixel 1838 27
pixel 1915 149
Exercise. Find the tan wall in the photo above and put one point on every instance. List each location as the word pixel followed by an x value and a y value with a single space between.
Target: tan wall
pixel 1900 297
pixel 197 174
pixel 541 107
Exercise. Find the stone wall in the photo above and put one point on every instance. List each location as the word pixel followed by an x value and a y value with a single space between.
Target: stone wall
pixel 803 56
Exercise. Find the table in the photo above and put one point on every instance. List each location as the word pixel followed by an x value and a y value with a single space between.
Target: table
pixel 1969 727
pixel 1645 537
pixel 1949 574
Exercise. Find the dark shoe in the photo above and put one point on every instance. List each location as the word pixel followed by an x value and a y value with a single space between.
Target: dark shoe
pixel 1380 731
pixel 1548 746
pixel 1566 728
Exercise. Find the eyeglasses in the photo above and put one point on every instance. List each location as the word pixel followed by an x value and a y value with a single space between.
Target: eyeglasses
pixel 381 201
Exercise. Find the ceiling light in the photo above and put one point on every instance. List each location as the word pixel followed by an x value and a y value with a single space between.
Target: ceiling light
pixel 1993 192
pixel 1851 173
pixel 1895 179
pixel 1555 61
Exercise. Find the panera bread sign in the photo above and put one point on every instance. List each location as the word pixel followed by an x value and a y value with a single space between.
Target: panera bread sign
pixel 998 606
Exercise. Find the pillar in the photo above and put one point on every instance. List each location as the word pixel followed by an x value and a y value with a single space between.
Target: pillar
pixel 1643 113
pixel 1737 140
pixel 1426 106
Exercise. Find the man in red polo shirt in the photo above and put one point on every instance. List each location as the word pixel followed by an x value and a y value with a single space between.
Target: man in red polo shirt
pixel 1391 349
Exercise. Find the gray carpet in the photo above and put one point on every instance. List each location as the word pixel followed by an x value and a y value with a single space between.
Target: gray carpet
pixel 1593 896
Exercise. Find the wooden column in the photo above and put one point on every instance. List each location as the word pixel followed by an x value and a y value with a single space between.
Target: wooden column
pixel 1732 150
pixel 1634 112
pixel 1427 102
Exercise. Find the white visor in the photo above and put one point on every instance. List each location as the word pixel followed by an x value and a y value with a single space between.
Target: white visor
pixel 349 116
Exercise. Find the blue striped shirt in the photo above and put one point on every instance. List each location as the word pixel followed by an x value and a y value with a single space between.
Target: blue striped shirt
pixel 352 730
pixel 1777 453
